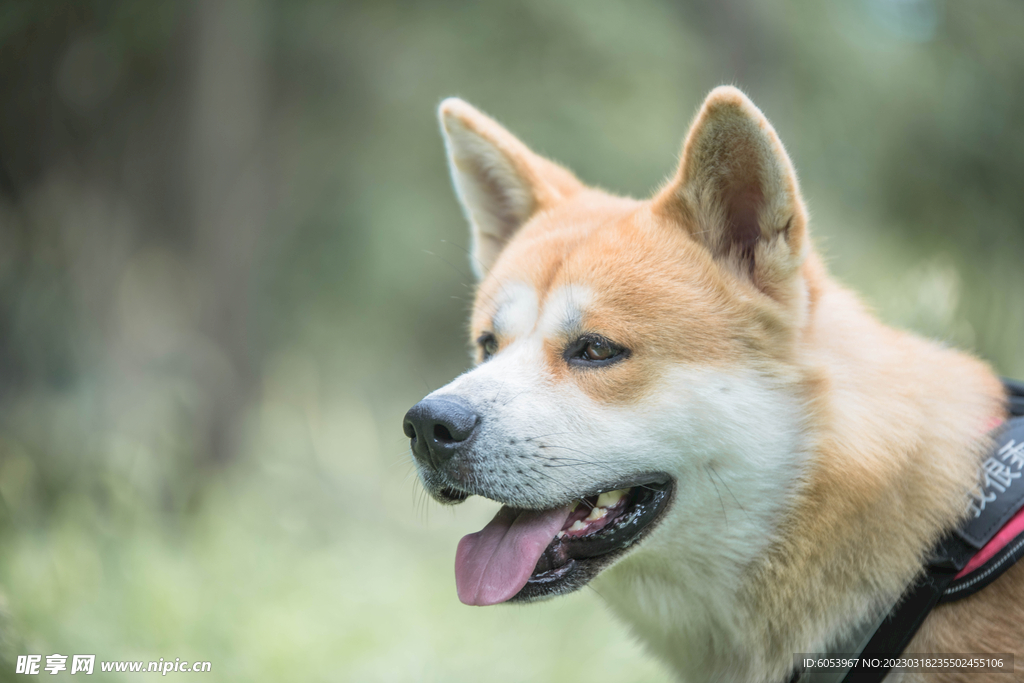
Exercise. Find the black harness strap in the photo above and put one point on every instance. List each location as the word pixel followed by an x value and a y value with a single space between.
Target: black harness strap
pixel 1015 389
pixel 895 633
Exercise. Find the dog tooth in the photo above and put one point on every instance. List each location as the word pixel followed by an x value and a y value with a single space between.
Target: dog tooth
pixel 610 498
pixel 596 514
pixel 573 508
pixel 578 525
pixel 560 534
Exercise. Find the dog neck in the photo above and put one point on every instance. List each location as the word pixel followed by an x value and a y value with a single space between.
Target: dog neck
pixel 895 427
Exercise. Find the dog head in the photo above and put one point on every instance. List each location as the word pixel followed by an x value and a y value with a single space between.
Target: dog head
pixel 633 398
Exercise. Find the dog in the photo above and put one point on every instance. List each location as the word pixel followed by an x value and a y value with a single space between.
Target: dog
pixel 674 400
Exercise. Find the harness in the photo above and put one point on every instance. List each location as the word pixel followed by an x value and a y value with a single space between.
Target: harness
pixel 962 563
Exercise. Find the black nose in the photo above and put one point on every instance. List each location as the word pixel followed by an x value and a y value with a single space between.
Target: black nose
pixel 436 427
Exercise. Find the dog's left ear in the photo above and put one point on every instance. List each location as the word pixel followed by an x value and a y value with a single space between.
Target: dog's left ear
pixel 737 194
pixel 500 182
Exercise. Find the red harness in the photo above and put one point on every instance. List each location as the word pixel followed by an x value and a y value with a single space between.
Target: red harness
pixel 997 529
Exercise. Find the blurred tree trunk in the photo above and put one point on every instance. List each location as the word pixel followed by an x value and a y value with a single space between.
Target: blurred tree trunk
pixel 132 138
pixel 229 194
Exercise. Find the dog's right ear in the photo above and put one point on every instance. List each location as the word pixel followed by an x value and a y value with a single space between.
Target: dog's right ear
pixel 500 183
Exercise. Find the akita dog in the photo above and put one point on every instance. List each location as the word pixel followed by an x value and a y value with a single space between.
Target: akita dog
pixel 672 398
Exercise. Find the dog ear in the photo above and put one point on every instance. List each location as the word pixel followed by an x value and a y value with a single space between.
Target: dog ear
pixel 737 194
pixel 500 183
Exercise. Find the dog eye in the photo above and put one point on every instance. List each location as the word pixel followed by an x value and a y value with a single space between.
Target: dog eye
pixel 593 349
pixel 488 344
pixel 598 349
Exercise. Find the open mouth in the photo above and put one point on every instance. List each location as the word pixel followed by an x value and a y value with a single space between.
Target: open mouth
pixel 524 555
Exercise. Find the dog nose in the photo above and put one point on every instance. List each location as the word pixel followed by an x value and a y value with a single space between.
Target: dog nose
pixel 436 427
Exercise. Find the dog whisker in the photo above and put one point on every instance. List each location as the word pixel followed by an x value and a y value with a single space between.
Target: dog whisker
pixel 500 389
pixel 726 485
pixel 514 397
pixel 577 462
pixel 720 501
pixel 457 270
pixel 482 266
pixel 544 436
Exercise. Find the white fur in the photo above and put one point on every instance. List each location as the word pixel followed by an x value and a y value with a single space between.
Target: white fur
pixel 564 308
pixel 516 313
pixel 734 442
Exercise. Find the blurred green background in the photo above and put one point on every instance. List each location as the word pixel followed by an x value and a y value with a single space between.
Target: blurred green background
pixel 230 260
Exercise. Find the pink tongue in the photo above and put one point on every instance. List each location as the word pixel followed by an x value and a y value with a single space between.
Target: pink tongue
pixel 495 563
